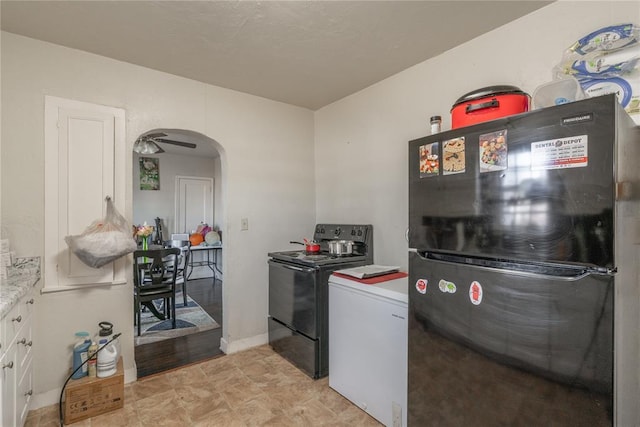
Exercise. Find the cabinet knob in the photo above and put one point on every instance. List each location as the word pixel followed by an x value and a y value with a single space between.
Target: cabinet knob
pixel 8 365
pixel 30 301
pixel 22 341
pixel 29 344
pixel 17 319
pixel 29 393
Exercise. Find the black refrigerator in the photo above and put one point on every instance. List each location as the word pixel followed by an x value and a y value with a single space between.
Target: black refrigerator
pixel 523 270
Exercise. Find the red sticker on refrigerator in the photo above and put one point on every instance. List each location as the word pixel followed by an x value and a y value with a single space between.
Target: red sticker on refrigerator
pixel 421 286
pixel 475 293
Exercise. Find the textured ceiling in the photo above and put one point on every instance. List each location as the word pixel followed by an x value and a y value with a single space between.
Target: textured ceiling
pixel 304 53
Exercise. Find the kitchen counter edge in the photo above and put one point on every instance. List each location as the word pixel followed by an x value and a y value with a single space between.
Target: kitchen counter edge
pixel 15 288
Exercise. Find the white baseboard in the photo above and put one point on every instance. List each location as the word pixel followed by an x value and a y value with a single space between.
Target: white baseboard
pixel 243 344
pixel 48 398
pixel 131 374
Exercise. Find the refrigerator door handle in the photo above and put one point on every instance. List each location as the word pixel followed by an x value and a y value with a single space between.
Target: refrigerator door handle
pixel 603 271
pixel 566 272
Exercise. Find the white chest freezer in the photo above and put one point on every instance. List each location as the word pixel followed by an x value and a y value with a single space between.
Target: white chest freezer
pixel 368 346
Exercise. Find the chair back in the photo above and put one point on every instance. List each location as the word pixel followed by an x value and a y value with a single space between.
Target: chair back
pixel 184 246
pixel 154 267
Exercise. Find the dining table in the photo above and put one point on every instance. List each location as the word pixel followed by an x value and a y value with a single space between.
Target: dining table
pixel 212 256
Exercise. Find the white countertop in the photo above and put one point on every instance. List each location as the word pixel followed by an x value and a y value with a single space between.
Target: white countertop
pixel 15 288
pixel 393 289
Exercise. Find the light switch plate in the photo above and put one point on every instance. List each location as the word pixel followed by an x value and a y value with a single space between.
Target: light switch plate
pixel 244 224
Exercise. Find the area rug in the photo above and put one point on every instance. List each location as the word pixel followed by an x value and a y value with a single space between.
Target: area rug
pixel 189 320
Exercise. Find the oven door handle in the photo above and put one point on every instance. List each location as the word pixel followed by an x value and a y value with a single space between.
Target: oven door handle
pixel 293 267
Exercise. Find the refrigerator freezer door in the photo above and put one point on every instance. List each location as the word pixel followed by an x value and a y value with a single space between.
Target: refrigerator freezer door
pixel 538 186
pixel 493 347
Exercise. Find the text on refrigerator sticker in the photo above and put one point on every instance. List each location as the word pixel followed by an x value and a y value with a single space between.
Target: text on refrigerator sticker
pixel 570 152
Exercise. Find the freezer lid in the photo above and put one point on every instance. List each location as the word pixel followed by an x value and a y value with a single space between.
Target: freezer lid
pixel 393 289
pixel 548 193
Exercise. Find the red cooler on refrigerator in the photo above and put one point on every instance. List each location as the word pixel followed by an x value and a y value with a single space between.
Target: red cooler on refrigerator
pixel 489 103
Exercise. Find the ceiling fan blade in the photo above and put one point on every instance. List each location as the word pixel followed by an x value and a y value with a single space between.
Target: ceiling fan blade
pixel 156 135
pixel 180 143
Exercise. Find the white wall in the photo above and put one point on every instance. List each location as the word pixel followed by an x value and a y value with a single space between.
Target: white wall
pixel 361 140
pixel 149 204
pixel 266 164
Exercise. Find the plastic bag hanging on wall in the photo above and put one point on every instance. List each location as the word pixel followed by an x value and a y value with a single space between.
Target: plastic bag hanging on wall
pixel 104 241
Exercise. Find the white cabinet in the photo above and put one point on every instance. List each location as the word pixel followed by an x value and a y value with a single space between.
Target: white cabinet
pixel 8 378
pixel 16 362
pixel 84 163
pixel 368 346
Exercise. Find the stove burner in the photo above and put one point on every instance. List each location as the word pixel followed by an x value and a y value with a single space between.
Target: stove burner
pixel 319 259
pixel 362 235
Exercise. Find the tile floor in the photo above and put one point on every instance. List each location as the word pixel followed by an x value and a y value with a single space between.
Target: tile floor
pixel 252 388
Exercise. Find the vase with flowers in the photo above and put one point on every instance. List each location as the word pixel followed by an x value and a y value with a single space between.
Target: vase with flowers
pixel 142 233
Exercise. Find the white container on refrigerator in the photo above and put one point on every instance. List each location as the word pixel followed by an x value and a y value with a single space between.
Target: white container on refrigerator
pixel 368 346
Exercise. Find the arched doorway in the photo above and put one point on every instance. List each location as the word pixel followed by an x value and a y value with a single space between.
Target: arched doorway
pixel 159 199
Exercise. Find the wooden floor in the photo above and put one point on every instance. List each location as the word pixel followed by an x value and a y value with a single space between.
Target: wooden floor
pixel 168 354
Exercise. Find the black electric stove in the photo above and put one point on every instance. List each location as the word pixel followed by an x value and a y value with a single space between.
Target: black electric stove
pixel 323 258
pixel 299 296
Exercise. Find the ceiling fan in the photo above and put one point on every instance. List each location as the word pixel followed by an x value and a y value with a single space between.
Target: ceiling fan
pixel 148 144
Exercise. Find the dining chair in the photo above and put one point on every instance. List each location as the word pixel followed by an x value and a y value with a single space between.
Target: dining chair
pixel 154 277
pixel 183 262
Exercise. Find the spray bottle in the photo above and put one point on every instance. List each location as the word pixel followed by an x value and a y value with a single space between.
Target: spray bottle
pixel 107 357
pixel 80 350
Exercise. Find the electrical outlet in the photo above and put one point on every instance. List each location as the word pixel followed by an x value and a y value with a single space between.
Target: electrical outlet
pixel 244 224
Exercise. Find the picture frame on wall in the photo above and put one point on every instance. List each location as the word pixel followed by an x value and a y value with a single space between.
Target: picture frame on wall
pixel 149 173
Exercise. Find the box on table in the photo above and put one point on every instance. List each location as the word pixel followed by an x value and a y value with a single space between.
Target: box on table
pixel 91 396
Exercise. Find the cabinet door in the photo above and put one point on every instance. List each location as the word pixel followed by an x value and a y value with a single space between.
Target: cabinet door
pixel 84 163
pixel 8 388
pixel 24 392
pixel 12 323
pixel 24 344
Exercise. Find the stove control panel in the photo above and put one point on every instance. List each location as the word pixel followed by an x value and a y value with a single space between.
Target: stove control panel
pixel 358 233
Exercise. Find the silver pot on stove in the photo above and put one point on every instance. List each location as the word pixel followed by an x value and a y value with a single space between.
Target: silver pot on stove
pixel 341 247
